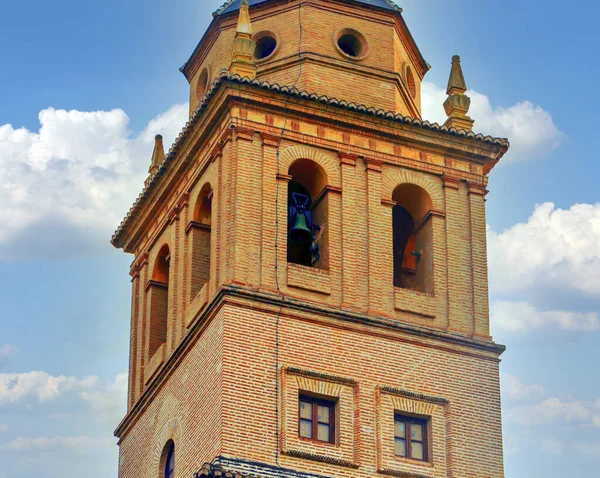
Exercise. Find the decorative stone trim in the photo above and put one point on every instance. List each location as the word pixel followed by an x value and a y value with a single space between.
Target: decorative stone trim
pixel 320 376
pixel 413 395
pixel 401 474
pixel 197 225
pixel 138 265
pixel 321 458
pixel 271 140
pixel 478 189
pixel 375 165
pixel 451 182
pixel 244 134
pixel 155 283
pixel 348 159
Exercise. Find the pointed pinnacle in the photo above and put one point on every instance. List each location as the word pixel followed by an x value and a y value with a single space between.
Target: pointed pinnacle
pixel 244 25
pixel 456 82
pixel 158 155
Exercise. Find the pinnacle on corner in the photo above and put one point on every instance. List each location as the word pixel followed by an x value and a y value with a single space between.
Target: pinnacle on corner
pixel 458 103
pixel 242 50
pixel 158 155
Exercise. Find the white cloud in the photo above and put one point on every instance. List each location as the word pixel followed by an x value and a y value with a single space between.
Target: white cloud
pixel 65 188
pixel 3 427
pixel 555 249
pixel 21 444
pixel 530 129
pixel 109 403
pixel 19 388
pixel 556 411
pixel 514 389
pixel 522 316
pixel 7 352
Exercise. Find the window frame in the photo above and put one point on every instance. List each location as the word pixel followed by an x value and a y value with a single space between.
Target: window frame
pixel 408 420
pixel 316 402
pixel 170 472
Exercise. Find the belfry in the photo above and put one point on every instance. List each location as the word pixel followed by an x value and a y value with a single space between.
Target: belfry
pixel 310 290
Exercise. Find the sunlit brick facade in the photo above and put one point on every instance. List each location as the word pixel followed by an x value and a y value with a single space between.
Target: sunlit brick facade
pixel 390 322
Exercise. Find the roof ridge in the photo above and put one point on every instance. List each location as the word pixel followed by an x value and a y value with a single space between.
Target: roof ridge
pixel 228 3
pixel 225 75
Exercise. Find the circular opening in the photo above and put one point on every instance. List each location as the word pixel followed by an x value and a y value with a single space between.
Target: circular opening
pixel 265 46
pixel 410 82
pixel 202 84
pixel 350 44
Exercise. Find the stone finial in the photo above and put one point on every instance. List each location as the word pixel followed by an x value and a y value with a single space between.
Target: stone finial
pixel 158 155
pixel 457 104
pixel 242 51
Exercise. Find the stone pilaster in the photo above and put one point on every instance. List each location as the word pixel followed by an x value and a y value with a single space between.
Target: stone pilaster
pixel 481 308
pixel 460 294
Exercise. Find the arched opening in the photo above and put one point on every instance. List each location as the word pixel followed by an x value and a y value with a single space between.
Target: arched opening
pixel 308 211
pixel 202 84
pixel 167 461
pixel 410 82
pixel 412 239
pixel 200 235
pixel 159 300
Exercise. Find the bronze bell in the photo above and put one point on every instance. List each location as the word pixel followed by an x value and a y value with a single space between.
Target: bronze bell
pixel 300 231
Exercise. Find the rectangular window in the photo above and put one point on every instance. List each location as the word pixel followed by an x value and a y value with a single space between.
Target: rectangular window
pixel 316 419
pixel 410 438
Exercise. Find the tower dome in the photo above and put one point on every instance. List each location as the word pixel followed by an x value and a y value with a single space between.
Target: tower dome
pixel 323 47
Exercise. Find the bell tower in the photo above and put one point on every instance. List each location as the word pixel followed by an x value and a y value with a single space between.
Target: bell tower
pixel 310 291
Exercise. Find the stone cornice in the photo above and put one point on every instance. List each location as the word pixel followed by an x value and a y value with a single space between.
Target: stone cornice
pixel 273 303
pixel 216 103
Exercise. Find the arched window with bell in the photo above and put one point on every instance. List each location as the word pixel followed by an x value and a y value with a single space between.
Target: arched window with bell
pixel 308 210
pixel 412 238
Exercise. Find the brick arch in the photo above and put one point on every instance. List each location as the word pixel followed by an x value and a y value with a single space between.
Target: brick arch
pixel 328 162
pixel 170 431
pixel 209 177
pixel 413 407
pixel 327 389
pixel 393 179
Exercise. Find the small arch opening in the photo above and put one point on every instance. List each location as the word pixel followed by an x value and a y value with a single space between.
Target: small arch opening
pixel 202 84
pixel 200 234
pixel 159 300
pixel 265 45
pixel 167 460
pixel 410 82
pixel 412 239
pixel 308 215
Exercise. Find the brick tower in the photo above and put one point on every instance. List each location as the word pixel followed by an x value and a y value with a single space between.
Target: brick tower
pixel 310 278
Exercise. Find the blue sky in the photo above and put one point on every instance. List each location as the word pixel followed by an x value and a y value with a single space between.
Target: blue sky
pixel 84 88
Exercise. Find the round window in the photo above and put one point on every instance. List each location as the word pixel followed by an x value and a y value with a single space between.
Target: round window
pixel 265 45
pixel 352 44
